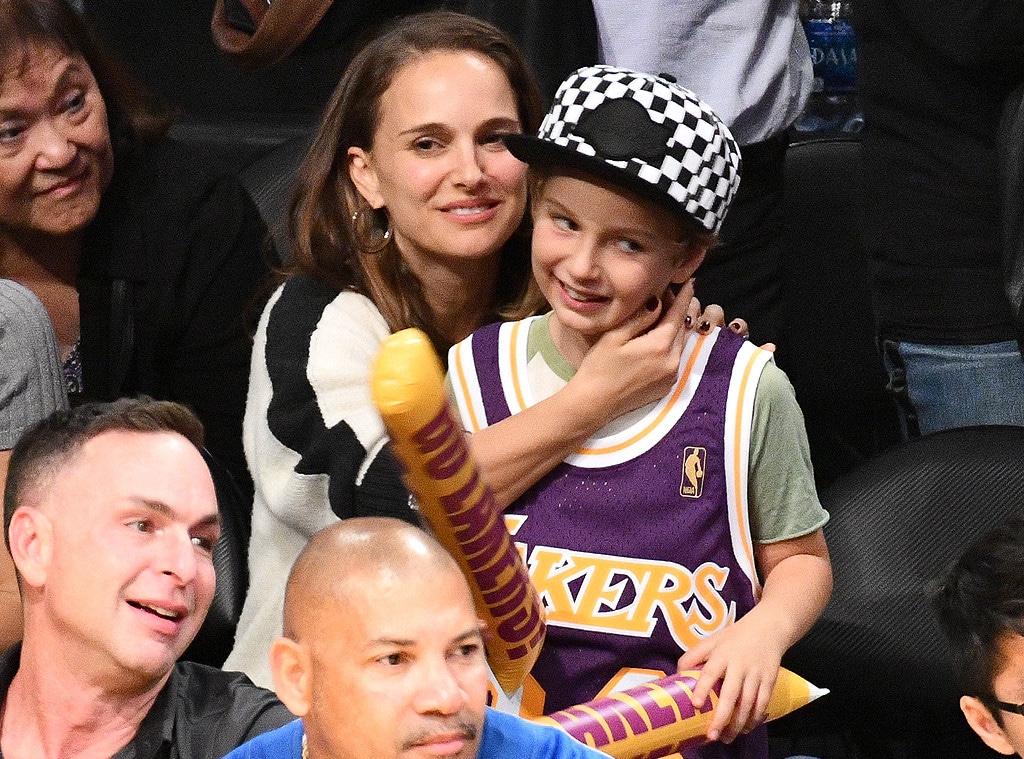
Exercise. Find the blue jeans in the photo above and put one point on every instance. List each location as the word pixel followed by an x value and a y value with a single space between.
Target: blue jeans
pixel 937 387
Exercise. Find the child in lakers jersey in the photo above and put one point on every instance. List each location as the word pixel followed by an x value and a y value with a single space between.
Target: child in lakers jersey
pixel 686 533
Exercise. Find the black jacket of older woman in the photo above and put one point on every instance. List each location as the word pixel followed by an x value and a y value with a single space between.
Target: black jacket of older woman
pixel 171 269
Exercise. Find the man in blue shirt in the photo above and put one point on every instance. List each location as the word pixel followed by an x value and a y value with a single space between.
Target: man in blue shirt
pixel 382 657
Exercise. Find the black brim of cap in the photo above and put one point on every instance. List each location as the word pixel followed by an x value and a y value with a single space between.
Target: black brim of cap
pixel 538 152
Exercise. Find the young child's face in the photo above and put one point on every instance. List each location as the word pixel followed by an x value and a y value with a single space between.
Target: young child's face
pixel 599 255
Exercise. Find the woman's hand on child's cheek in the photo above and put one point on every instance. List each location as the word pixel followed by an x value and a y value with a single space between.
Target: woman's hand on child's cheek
pixel 740 327
pixel 638 362
pixel 738 657
pixel 679 313
pixel 737 325
pixel 689 301
pixel 712 316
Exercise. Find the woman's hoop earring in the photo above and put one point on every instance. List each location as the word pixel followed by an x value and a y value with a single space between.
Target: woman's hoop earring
pixel 369 236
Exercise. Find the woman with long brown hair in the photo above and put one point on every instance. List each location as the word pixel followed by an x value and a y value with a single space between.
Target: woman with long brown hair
pixel 408 212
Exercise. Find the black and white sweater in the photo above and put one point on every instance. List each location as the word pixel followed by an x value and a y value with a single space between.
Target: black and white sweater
pixel 314 442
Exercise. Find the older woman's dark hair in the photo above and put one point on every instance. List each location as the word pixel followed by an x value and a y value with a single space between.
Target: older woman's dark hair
pixel 326 241
pixel 980 601
pixel 132 116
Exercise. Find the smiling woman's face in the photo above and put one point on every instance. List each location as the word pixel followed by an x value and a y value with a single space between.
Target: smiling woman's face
pixel 438 165
pixel 55 153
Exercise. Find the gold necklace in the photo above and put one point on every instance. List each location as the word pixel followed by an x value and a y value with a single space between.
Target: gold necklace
pixel 305 746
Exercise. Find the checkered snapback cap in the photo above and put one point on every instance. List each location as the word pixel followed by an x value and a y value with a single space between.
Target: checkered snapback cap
pixel 642 132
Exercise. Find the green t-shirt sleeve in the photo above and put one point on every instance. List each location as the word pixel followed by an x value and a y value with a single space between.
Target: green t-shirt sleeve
pixel 783 500
pixel 449 389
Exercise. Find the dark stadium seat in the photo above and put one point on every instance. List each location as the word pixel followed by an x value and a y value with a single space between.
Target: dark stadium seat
pixel 898 521
pixel 828 350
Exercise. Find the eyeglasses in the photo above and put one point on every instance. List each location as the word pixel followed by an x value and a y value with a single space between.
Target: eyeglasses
pixel 1008 707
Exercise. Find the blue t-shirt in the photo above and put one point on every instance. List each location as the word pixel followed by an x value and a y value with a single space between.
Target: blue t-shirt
pixel 505 736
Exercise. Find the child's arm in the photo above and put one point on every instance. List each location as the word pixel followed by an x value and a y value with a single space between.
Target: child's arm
pixel 747 654
pixel 629 367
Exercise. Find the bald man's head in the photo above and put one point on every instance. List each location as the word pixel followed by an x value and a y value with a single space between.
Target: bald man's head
pixel 349 552
pixel 383 654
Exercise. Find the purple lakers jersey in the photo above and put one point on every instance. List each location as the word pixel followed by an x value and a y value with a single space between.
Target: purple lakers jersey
pixel 639 543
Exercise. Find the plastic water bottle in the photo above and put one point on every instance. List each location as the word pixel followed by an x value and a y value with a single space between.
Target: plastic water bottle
pixel 833 102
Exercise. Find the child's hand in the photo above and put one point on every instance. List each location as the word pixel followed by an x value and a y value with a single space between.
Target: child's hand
pixel 711 317
pixel 638 362
pixel 744 657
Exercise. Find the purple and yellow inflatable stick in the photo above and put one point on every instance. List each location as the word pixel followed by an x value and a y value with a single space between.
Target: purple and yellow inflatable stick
pixel 646 721
pixel 657 718
pixel 407 385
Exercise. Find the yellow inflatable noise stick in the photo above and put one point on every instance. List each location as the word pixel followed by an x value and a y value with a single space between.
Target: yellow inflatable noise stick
pixel 657 719
pixel 407 386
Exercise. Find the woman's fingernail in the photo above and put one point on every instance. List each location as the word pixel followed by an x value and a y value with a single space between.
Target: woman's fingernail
pixel 652 303
pixel 735 325
pixel 704 326
pixel 688 321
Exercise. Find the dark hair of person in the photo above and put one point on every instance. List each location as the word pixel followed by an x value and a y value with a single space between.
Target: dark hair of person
pixel 133 118
pixel 979 602
pixel 49 444
pixel 325 241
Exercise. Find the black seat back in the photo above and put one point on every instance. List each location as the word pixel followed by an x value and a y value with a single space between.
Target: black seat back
pixel 216 637
pixel 898 522
pixel 828 349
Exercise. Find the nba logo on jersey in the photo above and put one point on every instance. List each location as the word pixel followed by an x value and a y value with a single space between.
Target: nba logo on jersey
pixel 692 483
